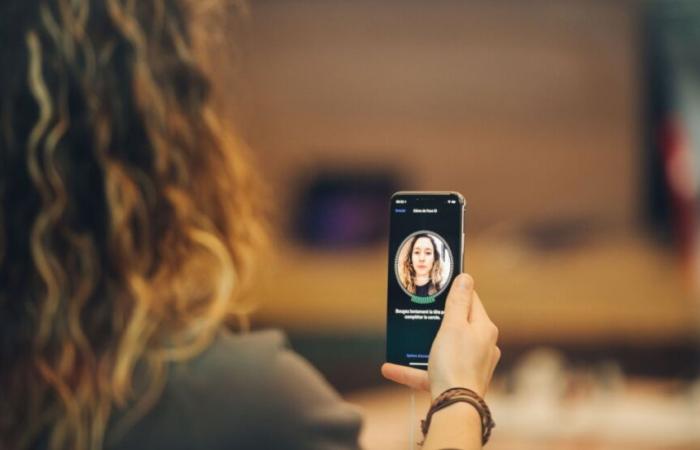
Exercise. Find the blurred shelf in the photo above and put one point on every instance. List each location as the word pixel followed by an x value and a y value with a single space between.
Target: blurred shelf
pixel 621 289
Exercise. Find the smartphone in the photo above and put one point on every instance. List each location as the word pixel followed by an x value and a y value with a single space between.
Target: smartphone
pixel 426 249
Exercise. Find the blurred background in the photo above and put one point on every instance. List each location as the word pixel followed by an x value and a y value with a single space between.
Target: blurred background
pixel 572 127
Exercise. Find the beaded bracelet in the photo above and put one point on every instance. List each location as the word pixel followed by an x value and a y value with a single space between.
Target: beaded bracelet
pixel 459 394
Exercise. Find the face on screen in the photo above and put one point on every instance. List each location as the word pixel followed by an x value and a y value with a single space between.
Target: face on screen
pixel 423 264
pixel 425 249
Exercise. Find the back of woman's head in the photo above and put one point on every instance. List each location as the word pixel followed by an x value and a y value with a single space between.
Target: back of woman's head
pixel 127 225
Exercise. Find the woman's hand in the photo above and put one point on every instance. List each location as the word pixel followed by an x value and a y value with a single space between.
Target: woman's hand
pixel 464 352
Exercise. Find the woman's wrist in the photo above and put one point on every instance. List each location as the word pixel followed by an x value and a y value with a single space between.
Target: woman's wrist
pixel 455 426
pixel 461 395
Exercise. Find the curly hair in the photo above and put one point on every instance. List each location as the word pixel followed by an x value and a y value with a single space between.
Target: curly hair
pixel 408 278
pixel 128 222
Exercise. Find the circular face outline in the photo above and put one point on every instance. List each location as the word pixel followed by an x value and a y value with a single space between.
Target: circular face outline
pixel 444 246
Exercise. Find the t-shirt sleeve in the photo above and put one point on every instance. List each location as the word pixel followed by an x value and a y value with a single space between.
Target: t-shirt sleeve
pixel 307 413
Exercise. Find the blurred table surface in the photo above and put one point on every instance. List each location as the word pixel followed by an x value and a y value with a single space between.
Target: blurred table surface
pixel 642 417
pixel 614 288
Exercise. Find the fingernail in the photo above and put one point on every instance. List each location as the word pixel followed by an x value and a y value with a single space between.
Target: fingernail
pixel 464 282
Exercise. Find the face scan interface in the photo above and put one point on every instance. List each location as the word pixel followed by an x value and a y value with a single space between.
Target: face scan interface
pixel 425 254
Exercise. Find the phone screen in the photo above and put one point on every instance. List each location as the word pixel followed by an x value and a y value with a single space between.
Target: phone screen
pixel 425 255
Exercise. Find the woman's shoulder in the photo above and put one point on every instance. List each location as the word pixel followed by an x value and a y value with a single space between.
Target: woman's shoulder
pixel 291 387
pixel 239 365
pixel 230 392
pixel 238 352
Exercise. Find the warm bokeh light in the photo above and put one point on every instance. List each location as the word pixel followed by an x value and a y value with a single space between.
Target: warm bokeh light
pixel 552 119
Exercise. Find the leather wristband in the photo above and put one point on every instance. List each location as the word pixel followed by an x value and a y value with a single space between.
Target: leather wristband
pixel 460 394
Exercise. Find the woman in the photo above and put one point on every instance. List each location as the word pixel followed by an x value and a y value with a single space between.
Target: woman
pixel 128 230
pixel 422 267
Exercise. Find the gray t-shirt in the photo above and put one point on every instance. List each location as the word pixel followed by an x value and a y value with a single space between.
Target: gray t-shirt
pixel 245 391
